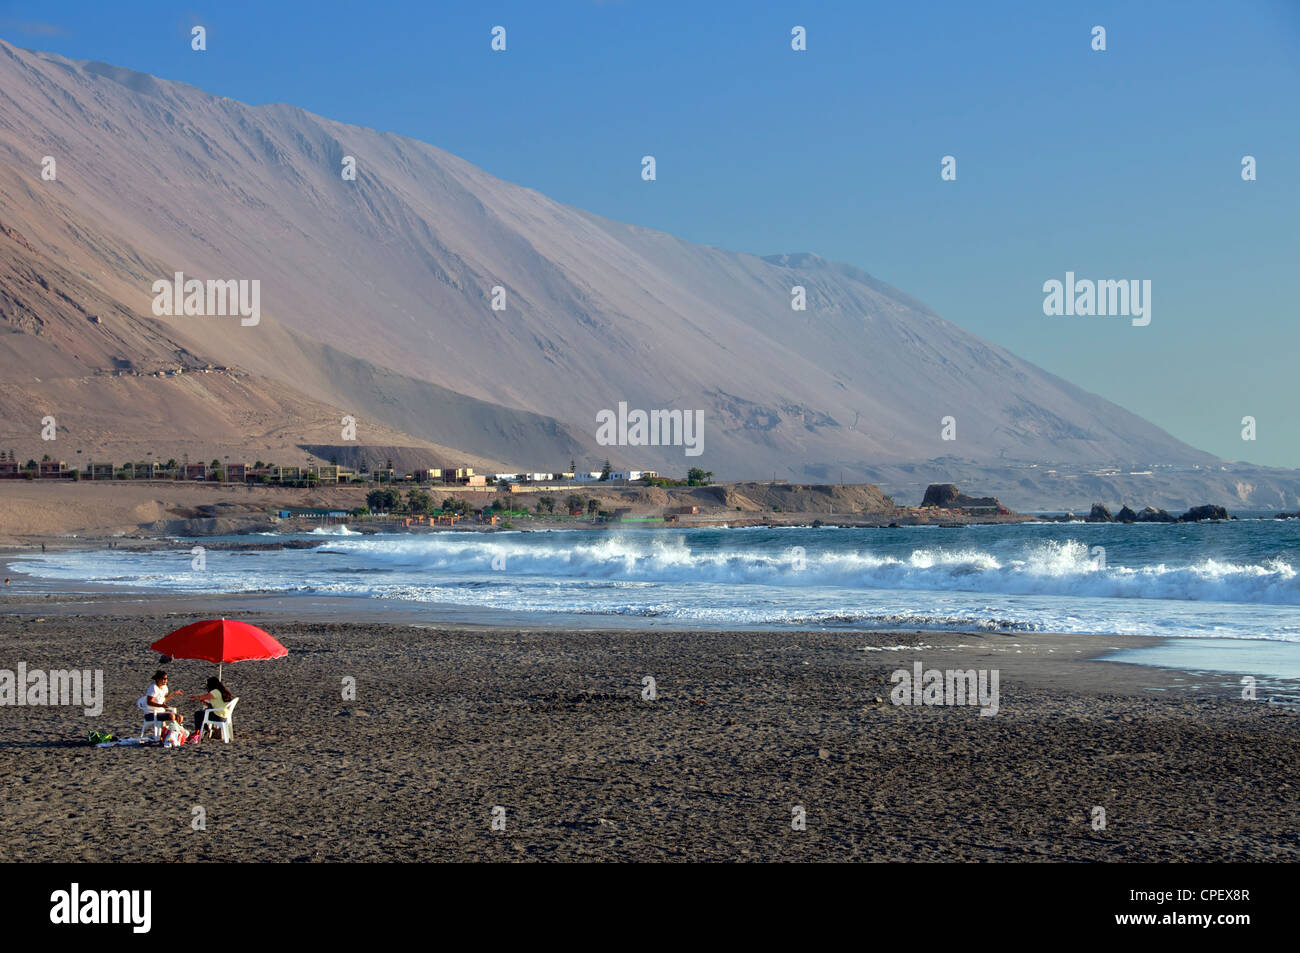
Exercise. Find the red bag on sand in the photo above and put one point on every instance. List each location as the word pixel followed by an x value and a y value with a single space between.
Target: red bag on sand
pixel 194 738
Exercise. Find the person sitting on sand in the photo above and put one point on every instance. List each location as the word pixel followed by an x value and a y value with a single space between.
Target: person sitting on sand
pixel 157 695
pixel 217 697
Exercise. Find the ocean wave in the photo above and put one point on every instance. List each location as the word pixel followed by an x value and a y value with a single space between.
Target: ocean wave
pixel 1065 568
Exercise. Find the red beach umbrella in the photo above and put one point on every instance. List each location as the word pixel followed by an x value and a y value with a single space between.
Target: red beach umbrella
pixel 220 640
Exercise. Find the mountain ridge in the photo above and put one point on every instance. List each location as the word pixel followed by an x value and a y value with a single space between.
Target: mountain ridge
pixel 390 279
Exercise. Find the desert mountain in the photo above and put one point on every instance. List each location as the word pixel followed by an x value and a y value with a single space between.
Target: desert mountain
pixel 376 300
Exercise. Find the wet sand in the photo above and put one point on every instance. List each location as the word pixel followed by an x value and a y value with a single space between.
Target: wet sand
pixel 551 726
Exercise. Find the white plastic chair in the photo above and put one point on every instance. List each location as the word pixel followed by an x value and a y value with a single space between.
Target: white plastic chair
pixel 151 718
pixel 226 727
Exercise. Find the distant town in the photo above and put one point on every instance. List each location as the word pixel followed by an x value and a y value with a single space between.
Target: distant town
pixel 311 475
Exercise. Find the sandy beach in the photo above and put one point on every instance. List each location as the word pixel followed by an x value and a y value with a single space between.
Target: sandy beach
pixel 551 726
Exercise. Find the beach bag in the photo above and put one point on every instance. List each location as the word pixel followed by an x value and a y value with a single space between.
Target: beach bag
pixel 99 737
pixel 174 734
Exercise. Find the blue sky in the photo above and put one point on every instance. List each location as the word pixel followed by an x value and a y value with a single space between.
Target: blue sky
pixel 1117 164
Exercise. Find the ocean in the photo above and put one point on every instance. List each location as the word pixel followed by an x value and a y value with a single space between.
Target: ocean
pixel 1231 580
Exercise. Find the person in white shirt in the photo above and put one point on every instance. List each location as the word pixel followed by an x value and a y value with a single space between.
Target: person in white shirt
pixel 157 695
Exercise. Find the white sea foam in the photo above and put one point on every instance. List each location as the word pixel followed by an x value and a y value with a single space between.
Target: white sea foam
pixel 1045 568
pixel 996 579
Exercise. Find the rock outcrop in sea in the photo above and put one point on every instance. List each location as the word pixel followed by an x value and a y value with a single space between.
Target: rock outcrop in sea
pixel 1100 514
pixel 1205 512
pixel 1208 511
pixel 947 495
pixel 1150 514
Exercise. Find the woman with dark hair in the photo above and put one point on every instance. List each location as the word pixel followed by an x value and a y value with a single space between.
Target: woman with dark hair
pixel 217 697
pixel 157 698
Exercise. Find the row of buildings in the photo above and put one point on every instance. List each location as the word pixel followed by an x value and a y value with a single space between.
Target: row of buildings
pixel 465 476
pixel 225 473
pixel 592 476
pixel 293 475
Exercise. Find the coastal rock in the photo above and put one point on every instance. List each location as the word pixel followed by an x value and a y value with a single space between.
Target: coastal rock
pixel 1100 514
pixel 221 526
pixel 1150 514
pixel 1126 515
pixel 1062 518
pixel 941 494
pixel 1205 512
pixel 947 495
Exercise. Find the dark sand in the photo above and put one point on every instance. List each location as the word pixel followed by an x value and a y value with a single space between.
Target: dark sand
pixel 551 726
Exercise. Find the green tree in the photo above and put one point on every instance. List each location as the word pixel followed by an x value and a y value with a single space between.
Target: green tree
pixel 45 459
pixel 698 477
pixel 418 502
pixel 592 506
pixel 382 501
pixel 574 502
pixel 606 470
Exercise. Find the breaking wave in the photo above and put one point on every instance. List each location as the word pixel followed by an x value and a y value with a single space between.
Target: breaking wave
pixel 1064 568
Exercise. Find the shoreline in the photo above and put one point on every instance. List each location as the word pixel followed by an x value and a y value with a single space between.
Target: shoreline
pixel 1194 659
pixel 1204 655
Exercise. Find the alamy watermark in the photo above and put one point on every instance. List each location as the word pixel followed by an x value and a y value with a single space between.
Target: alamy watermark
pixel 38 687
pixel 215 297
pixel 129 907
pixel 655 428
pixel 952 686
pixel 1103 298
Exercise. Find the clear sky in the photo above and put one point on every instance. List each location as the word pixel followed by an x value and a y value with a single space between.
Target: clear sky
pixel 1117 164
